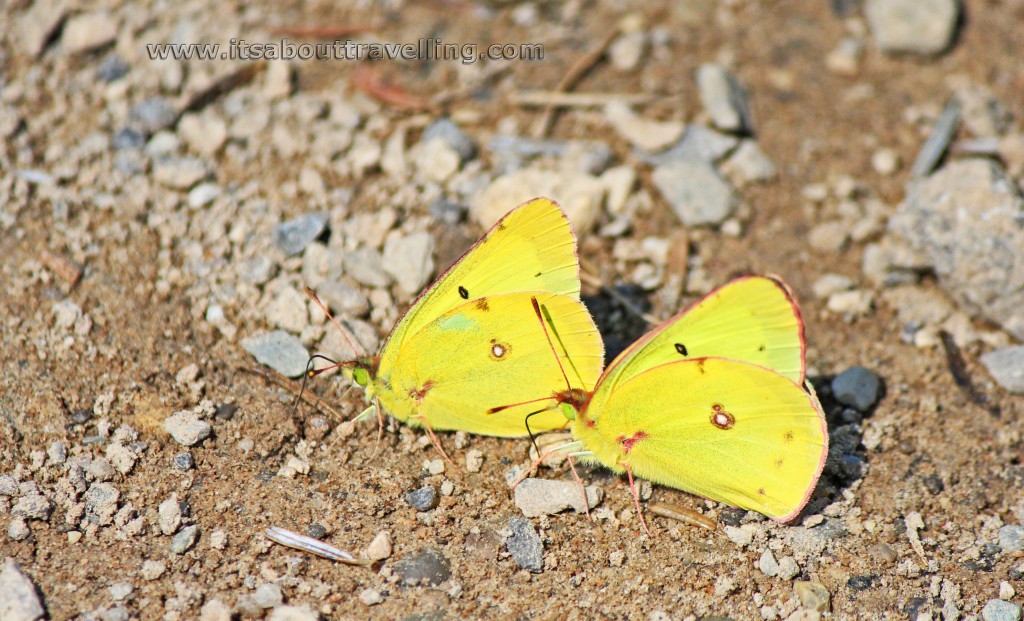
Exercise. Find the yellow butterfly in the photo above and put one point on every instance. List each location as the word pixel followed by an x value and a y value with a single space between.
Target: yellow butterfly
pixel 475 346
pixel 712 402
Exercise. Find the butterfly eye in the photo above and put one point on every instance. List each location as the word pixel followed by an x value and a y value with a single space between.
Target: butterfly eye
pixel 568 411
pixel 361 377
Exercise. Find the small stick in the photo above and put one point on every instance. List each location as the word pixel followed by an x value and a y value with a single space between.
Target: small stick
pixel 578 69
pixel 577 100
pixel 68 270
pixel 292 539
pixel 676 512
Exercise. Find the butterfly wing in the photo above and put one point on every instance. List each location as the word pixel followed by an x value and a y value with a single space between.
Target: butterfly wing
pixel 486 364
pixel 754 319
pixel 531 249
pixel 723 429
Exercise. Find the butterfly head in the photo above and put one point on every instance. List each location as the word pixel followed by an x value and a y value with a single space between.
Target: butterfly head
pixel 572 402
pixel 362 371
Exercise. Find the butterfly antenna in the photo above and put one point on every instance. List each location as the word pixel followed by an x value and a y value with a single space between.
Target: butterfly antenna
pixel 380 427
pixel 533 438
pixel 353 342
pixel 545 320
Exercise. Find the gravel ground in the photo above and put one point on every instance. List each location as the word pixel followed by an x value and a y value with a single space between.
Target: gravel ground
pixel 160 218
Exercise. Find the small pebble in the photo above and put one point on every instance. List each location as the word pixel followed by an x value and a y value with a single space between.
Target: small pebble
pixel 1011 538
pixel 912 26
pixel 885 162
pixel 218 539
pixel 856 387
pixel 788 568
pixel 370 597
pixel 186 428
pixel 380 548
pixel 724 99
pixel 268 595
pixel 58 452
pixel 293 236
pixel 427 564
pixel 185 539
pixel 882 553
pixel 999 610
pixel 316 531
pixel 151 570
pixel 524 544
pixel 169 515
pixel 112 68
pixel 215 610
pixel 855 302
pixel 695 192
pixel 767 564
pixel 435 466
pixel 410 260
pixel 120 591
pixel 536 497
pixel 280 351
pixel 749 164
pixel 424 498
pixel 18 529
pixel 474 460
pixel 1006 365
pixel 293 613
pixel 20 597
pixel 184 462
pixel 452 135
pixel 33 506
pixel 101 502
pixel 812 595
pixel 447 488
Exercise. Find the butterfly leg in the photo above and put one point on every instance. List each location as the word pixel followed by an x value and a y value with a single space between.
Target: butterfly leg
pixel 433 439
pixel 380 427
pixel 536 463
pixel 636 498
pixel 583 490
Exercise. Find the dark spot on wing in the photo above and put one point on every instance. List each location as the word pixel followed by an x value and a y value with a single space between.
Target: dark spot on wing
pixel 499 351
pixel 538 274
pixel 761 347
pixel 788 436
pixel 463 293
pixel 721 418
pixel 681 349
pixel 481 304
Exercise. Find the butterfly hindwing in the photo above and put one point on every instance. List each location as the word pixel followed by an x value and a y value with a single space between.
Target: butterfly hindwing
pixel 723 429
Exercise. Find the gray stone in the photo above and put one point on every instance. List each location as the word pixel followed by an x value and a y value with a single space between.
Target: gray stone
pixel 525 545
pixel 101 502
pixel 749 164
pixel 697 142
pixel 536 497
pixel 966 219
pixel 343 299
pixel 151 115
pixel 258 270
pixel 280 351
pixel 1006 365
pixel 695 192
pixel 184 462
pixel 423 499
pixel 186 428
pixel 288 310
pixel 18 529
pixel 452 135
pixel 999 610
pixel 33 507
pixel 1011 538
pixel 410 260
pixel 112 68
pixel 8 485
pixel 19 600
pixel 913 26
pixel 293 236
pixel 427 564
pixel 202 195
pixel 724 99
pixel 366 267
pixel 185 539
pixel 856 387
pixel 767 564
pixel 643 133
